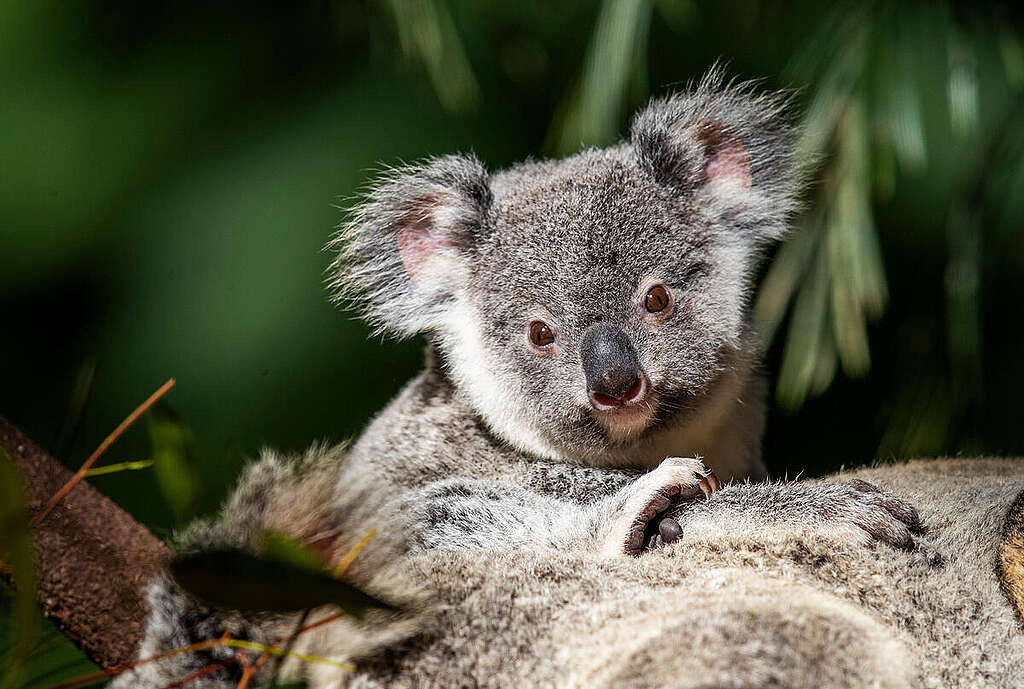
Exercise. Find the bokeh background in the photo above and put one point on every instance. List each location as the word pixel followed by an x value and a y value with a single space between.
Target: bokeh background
pixel 170 171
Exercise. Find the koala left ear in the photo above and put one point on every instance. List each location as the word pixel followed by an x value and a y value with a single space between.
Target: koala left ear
pixel 401 258
pixel 727 145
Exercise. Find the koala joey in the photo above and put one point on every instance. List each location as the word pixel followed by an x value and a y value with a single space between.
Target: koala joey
pixel 587 321
pixel 584 313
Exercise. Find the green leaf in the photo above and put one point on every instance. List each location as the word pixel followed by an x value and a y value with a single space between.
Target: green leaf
pixel 173 454
pixel 805 339
pixel 427 32
pixel 236 580
pixel 784 277
pixel 280 547
pixel 1012 53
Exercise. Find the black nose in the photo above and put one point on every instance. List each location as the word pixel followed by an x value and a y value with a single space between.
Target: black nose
pixel 614 376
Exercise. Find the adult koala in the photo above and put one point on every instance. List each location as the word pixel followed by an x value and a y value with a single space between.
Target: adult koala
pixel 785 599
pixel 785 602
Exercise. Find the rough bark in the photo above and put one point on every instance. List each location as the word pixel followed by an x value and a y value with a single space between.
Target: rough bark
pixel 93 559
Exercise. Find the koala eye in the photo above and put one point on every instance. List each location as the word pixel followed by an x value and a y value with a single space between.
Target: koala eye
pixel 542 335
pixel 657 299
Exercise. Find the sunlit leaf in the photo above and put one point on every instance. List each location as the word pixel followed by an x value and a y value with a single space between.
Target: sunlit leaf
pixel 804 341
pixel 280 547
pixel 239 581
pixel 1012 52
pixel 784 276
pixel 854 266
pixel 898 45
pixel 962 84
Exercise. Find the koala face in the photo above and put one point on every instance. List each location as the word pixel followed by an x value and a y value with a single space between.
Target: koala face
pixel 590 288
pixel 583 304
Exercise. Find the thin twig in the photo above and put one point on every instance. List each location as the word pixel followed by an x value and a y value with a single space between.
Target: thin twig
pixel 287 646
pixel 118 669
pixel 202 672
pixel 320 623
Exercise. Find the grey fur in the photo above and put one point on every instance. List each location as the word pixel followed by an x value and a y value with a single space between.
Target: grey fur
pixel 495 446
pixel 791 602
pixel 573 241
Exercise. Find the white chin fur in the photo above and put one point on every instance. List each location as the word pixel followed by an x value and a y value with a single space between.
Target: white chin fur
pixel 625 424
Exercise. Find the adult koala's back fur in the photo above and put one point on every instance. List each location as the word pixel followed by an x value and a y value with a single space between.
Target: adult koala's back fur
pixel 786 606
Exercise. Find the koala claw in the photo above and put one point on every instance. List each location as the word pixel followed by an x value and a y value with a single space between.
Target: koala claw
pixel 641 522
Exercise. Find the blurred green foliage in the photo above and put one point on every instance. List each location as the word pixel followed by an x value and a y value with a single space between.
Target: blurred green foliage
pixel 174 459
pixel 170 172
pixel 20 620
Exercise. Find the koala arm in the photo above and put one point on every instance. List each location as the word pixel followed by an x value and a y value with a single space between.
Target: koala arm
pixel 852 510
pixel 652 509
pixel 662 505
pixel 479 514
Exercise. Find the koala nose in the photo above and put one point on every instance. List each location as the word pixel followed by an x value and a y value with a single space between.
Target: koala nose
pixel 614 376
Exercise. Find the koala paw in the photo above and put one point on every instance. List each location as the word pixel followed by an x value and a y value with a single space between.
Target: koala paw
pixel 863 512
pixel 641 521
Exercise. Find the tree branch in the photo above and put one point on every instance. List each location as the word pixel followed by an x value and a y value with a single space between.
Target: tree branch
pixel 93 560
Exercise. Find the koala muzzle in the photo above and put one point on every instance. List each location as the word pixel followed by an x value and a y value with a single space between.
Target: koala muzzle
pixel 614 376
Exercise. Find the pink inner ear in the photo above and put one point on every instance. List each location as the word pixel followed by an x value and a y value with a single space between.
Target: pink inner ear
pixel 730 164
pixel 416 245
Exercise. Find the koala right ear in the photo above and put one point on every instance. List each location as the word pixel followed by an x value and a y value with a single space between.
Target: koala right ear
pixel 401 257
pixel 728 145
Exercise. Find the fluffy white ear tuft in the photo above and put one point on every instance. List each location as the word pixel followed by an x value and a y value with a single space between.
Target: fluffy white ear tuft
pixel 401 259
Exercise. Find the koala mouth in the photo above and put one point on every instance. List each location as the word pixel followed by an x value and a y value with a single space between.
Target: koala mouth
pixel 624 422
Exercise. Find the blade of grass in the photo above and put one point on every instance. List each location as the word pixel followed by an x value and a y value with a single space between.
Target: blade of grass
pixel 346 562
pixel 122 466
pixel 80 394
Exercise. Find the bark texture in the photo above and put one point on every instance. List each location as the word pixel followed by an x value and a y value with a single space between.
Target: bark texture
pixel 93 560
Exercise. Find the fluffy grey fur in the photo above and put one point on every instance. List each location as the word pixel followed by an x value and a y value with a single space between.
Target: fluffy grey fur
pixel 765 588
pixel 470 258
pixel 498 446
